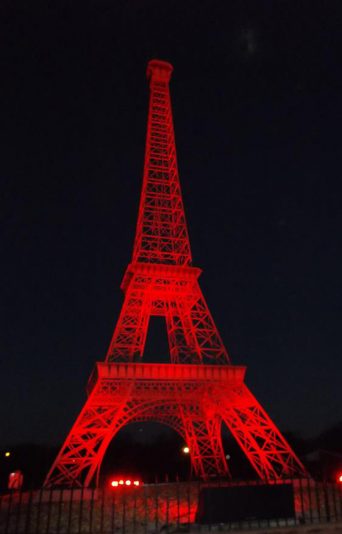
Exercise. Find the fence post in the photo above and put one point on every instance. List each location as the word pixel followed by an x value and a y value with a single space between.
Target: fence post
pixel 18 510
pixel 9 508
pixel 123 510
pixel 189 503
pixel 49 512
pixel 28 515
pixel 334 501
pixel 156 515
pixel 146 514
pixel 102 510
pixel 303 519
pixel 326 502
pixel 135 513
pixel 81 511
pixel 339 491
pixel 70 510
pixel 91 510
pixel 309 487
pixel 167 510
pixel 178 501
pixel 60 508
pixel 113 513
pixel 318 502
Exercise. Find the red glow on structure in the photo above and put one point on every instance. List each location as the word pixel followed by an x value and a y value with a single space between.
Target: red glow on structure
pixel 199 389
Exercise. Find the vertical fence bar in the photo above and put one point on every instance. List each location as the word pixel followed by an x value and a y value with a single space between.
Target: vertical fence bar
pixel 189 503
pixel 326 502
pixel 156 514
pixel 102 511
pixel 286 521
pixel 272 483
pixel 38 515
pixel 339 491
pixel 303 519
pixel 9 509
pixel 198 490
pixel 123 511
pixel 70 510
pixel 49 506
pixel 294 518
pixel 28 513
pixel 112 519
pixel 135 513
pixel 318 503
pixel 334 502
pixel 80 511
pixel 1 507
pixel 59 511
pixel 17 519
pixel 209 524
pixel 91 510
pixel 309 486
pixel 146 513
pixel 167 511
pixel 178 502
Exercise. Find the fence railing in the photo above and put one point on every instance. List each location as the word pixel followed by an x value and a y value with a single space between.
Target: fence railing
pixel 152 508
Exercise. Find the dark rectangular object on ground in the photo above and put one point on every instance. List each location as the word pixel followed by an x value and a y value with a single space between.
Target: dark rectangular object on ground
pixel 242 503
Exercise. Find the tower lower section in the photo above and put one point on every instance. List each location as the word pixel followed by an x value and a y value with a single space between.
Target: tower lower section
pixel 192 399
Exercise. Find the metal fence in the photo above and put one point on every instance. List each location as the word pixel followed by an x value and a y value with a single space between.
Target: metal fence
pixel 150 508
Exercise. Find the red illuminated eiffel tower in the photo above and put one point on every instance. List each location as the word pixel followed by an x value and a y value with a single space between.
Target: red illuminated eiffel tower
pixel 199 389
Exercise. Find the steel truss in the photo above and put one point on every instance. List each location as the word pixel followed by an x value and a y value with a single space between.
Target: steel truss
pixel 194 400
pixel 199 389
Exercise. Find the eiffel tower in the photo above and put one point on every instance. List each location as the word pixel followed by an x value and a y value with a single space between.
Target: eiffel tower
pixel 199 389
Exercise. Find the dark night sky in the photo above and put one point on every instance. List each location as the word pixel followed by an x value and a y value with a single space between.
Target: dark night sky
pixel 257 106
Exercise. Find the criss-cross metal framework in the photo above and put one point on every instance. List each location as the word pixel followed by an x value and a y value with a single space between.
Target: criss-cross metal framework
pixel 199 389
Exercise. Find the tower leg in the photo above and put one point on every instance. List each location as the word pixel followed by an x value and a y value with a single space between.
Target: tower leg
pixel 265 447
pixel 182 342
pixel 193 336
pixel 85 446
pixel 203 437
pixel 207 337
pixel 129 336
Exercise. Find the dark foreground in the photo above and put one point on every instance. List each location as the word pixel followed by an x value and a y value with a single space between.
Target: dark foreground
pixel 170 508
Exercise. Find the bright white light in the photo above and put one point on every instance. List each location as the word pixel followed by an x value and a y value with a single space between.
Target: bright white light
pixel 186 450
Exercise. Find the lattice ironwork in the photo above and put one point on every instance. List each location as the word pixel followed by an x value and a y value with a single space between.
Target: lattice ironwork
pixel 161 234
pixel 199 389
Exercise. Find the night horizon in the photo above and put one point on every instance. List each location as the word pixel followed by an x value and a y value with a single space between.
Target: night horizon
pixel 259 163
